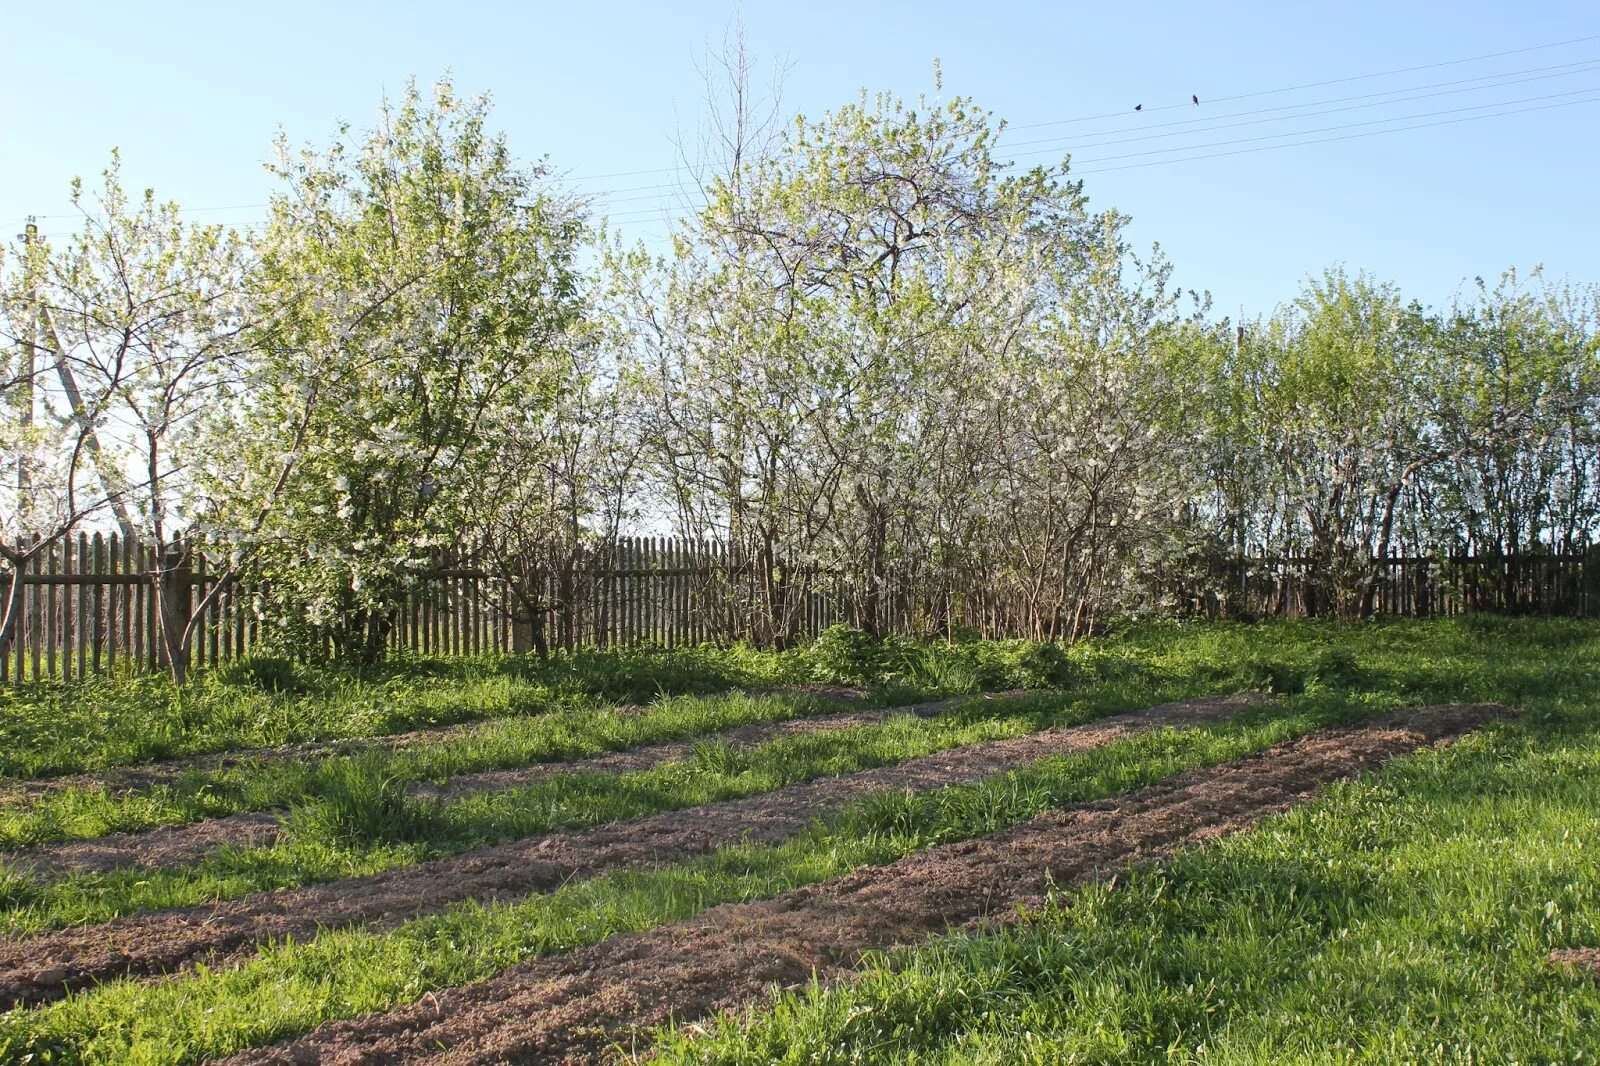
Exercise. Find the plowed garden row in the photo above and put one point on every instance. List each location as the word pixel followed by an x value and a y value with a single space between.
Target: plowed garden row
pixel 562 900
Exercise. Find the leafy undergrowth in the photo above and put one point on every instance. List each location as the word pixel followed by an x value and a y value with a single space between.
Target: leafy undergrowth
pixel 1405 917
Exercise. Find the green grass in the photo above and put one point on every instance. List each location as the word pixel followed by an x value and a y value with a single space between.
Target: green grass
pixel 118 719
pixel 291 988
pixel 362 823
pixel 576 726
pixel 566 733
pixel 1403 918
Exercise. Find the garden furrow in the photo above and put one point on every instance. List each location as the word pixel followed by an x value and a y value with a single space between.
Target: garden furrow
pixel 171 847
pixel 1577 960
pixel 142 776
pixel 580 1006
pixel 44 966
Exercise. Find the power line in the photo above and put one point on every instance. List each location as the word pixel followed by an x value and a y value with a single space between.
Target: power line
pixel 609 195
pixel 670 217
pixel 1346 137
pixel 1219 99
pixel 1348 125
pixel 1587 66
pixel 1273 136
pixel 1334 81
pixel 661 192
pixel 1211 122
pixel 1495 80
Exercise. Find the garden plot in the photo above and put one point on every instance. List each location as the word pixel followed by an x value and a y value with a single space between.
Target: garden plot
pixel 176 846
pixel 146 776
pixel 38 968
pixel 578 1006
pixel 86 808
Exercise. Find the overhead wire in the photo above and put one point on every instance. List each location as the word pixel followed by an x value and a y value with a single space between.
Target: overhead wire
pixel 1145 131
pixel 660 217
pixel 1591 66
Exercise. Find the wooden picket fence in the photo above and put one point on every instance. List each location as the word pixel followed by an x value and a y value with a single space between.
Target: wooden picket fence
pixel 89 605
pixel 1412 584
pixel 89 602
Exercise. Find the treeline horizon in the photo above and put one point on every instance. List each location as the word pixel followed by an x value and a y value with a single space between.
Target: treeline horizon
pixel 876 348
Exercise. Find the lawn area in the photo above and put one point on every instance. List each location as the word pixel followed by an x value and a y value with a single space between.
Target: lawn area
pixel 1402 918
pixel 1399 916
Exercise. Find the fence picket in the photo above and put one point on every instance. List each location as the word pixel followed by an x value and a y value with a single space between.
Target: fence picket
pixel 89 602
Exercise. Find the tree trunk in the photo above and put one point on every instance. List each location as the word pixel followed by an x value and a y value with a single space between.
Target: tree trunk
pixel 12 612
pixel 174 591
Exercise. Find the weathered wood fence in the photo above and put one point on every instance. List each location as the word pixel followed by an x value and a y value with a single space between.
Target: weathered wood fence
pixel 1413 585
pixel 89 602
pixel 89 605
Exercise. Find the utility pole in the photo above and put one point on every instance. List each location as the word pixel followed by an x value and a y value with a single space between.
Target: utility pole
pixel 91 441
pixel 1242 543
pixel 30 236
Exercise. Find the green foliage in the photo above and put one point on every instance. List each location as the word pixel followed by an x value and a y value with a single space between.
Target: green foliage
pixel 1024 664
pixel 265 673
pixel 843 655
pixel 1337 666
pixel 425 292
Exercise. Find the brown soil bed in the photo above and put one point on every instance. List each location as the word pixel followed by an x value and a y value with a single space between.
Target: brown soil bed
pixel 1582 960
pixel 44 966
pixel 149 775
pixel 578 1007
pixel 181 845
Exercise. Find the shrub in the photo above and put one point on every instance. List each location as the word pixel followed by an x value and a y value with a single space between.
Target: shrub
pixel 844 655
pixel 1336 666
pixel 266 673
pixel 1028 664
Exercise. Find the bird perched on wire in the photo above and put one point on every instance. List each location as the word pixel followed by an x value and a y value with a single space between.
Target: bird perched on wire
pixel 1195 100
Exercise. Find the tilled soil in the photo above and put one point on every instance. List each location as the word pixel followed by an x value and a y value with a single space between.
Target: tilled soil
pixel 149 775
pixel 745 736
pixel 575 1008
pixel 1582 960
pixel 181 845
pixel 42 967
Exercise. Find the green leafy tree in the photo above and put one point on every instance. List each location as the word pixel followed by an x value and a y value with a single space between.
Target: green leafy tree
pixel 427 287
pixel 140 333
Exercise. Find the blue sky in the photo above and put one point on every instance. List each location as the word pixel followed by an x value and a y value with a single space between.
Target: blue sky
pixel 192 94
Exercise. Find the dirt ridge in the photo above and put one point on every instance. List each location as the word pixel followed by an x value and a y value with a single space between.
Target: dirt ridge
pixel 576 1007
pixel 136 777
pixel 1579 960
pixel 170 847
pixel 44 966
